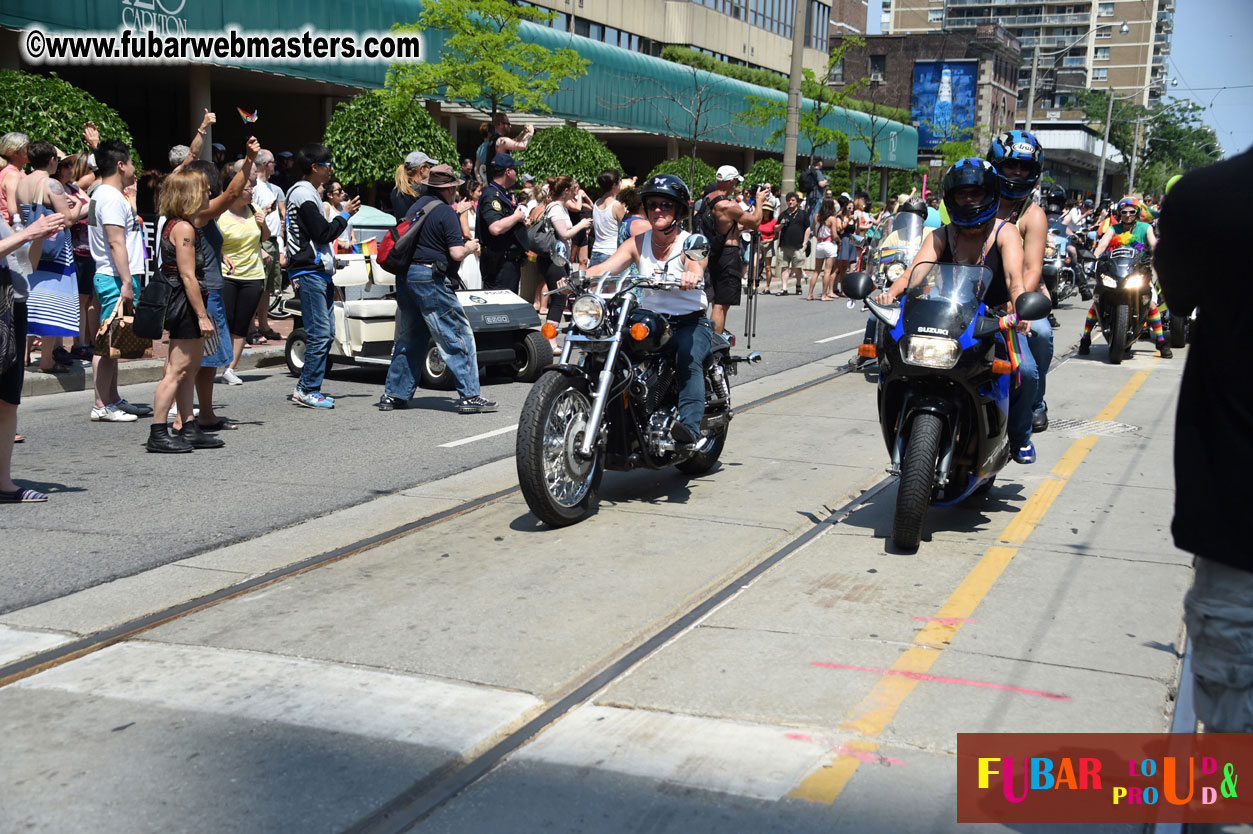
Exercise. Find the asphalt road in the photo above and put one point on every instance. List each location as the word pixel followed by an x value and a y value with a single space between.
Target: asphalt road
pixel 116 510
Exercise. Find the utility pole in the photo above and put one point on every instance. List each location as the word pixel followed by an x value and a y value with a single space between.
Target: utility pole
pixel 791 125
pixel 1100 168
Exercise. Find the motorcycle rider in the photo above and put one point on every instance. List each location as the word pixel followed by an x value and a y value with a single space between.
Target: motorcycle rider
pixel 1134 232
pixel 1018 158
pixel 666 199
pixel 972 195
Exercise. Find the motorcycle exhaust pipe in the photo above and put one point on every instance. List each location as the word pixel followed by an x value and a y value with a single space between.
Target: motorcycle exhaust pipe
pixel 752 359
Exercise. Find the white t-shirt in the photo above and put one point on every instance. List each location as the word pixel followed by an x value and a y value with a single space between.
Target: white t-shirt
pixel 109 208
pixel 265 195
pixel 555 211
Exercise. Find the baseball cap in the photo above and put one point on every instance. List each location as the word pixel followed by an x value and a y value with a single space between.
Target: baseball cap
pixel 417 158
pixel 527 179
pixel 504 160
pixel 846 195
pixel 218 146
pixel 285 154
pixel 729 172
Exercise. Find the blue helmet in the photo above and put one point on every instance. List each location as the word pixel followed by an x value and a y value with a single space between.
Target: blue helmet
pixel 1023 147
pixel 972 171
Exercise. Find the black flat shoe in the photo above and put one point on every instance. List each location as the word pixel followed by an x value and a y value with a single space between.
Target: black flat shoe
pixel 160 440
pixel 191 433
pixel 388 403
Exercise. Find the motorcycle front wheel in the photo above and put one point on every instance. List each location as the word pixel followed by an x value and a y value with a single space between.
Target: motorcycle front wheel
pixel 917 480
pixel 1118 335
pixel 558 484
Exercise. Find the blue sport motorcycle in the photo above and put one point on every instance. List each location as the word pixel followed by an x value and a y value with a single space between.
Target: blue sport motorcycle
pixel 944 379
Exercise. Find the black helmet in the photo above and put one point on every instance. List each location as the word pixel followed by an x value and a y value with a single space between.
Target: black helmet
pixel 668 185
pixel 972 171
pixel 1022 147
pixel 914 205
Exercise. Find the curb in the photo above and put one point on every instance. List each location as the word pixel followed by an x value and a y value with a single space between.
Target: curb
pixel 133 372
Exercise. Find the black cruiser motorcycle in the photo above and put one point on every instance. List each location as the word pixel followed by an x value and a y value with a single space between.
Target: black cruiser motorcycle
pixel 611 399
pixel 943 389
pixel 1123 296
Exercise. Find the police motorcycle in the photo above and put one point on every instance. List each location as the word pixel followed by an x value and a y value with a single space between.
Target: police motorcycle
pixel 943 391
pixel 611 399
pixel 1058 273
pixel 1123 297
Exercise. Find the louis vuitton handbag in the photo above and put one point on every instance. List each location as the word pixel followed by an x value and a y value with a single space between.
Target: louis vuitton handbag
pixel 117 338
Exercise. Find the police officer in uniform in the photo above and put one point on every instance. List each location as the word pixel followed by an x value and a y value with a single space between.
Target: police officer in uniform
pixel 501 227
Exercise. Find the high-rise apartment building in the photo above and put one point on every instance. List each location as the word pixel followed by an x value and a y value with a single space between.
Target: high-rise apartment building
pixel 848 17
pixel 1080 43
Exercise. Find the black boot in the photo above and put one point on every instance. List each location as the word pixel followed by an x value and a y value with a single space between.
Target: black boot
pixel 191 433
pixel 1085 345
pixel 160 440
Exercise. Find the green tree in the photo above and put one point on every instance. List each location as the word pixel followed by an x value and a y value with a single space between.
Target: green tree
pixel 1173 140
pixel 567 150
pixel 697 175
pixel 483 62
pixel 1095 103
pixel 763 170
pixel 50 108
pixel 373 133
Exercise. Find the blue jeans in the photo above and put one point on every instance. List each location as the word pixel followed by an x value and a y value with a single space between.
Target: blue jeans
pixel 428 308
pixel 693 341
pixel 597 258
pixel 1028 396
pixel 317 297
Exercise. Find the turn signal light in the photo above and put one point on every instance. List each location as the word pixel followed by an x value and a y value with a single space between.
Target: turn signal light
pixel 869 351
pixel 639 331
pixel 1001 366
pixel 549 330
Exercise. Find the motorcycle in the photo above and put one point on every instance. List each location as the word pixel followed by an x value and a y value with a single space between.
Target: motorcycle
pixel 1124 290
pixel 896 252
pixel 611 399
pixel 1058 273
pixel 943 391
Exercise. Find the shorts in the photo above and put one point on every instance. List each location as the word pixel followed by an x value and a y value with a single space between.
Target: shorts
pixel 109 290
pixel 85 272
pixel 1220 625
pixel 726 277
pixel 789 258
pixel 180 318
pixel 825 249
pixel 273 272
pixel 848 249
pixel 11 380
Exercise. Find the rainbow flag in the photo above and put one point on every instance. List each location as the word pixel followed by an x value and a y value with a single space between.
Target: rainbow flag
pixel 369 246
pixel 248 118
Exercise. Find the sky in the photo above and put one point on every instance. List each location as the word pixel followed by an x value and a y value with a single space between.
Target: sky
pixel 1209 51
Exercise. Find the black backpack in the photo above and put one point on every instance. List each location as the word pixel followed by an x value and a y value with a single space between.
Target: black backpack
pixel 807 181
pixel 706 223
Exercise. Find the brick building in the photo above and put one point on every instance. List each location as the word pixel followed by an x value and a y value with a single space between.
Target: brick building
pixel 848 17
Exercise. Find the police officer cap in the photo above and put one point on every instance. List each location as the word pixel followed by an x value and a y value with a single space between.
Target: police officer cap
pixel 504 160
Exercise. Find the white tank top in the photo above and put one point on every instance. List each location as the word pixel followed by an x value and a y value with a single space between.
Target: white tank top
pixel 606 229
pixel 671 302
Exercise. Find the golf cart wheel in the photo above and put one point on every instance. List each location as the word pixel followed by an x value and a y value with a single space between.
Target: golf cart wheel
pixel 534 355
pixel 435 372
pixel 294 352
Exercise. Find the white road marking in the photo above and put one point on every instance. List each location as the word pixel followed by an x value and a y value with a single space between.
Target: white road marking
pixel 463 441
pixel 841 336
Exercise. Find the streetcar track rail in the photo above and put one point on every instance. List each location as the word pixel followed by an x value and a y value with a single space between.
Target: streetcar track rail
pixel 91 643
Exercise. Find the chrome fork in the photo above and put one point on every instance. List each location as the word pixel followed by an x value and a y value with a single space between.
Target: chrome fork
pixel 605 381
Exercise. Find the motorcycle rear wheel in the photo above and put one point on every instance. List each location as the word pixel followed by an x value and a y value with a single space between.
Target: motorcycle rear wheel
pixel 700 463
pixel 559 486
pixel 913 496
pixel 1118 335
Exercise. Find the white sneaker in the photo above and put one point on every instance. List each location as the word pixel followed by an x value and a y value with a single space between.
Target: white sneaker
pixel 111 414
pixel 230 377
pixel 195 412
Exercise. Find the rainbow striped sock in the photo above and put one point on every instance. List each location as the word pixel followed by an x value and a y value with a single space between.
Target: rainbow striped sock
pixel 1090 322
pixel 1155 323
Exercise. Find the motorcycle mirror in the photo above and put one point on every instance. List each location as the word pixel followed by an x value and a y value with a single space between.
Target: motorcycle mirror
pixel 857 285
pixel 696 247
pixel 559 252
pixel 1032 306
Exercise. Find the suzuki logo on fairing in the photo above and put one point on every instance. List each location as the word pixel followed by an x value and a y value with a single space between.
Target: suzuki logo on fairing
pixel 937 331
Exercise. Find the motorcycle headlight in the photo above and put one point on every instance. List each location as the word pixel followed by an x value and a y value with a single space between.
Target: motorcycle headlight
pixel 1134 281
pixel 1109 282
pixel 930 351
pixel 588 313
pixel 895 271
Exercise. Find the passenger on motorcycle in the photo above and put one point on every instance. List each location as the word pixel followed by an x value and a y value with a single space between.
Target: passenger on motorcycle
pixel 1018 157
pixel 972 195
pixel 1134 232
pixel 666 199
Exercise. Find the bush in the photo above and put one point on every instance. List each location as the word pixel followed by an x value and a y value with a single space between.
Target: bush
pixel 369 136
pixel 567 151
pixel 763 170
pixel 839 178
pixel 49 108
pixel 682 168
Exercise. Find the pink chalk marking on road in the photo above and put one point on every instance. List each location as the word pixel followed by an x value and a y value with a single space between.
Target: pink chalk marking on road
pixel 922 676
pixel 845 750
pixel 947 620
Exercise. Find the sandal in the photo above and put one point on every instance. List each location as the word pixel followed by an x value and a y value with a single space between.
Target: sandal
pixel 221 425
pixel 22 496
pixel 55 369
pixel 257 339
pixel 272 334
pixel 19 438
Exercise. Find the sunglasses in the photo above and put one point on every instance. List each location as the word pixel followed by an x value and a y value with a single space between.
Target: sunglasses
pixel 664 205
pixel 1129 213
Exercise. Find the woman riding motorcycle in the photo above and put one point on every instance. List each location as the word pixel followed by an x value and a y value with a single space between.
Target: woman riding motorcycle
pixel 972 195
pixel 666 200
pixel 1134 232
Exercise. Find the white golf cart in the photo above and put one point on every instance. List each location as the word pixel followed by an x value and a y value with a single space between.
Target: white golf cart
pixel 506 328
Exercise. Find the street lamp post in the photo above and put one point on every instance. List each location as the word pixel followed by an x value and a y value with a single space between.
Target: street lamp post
pixel 1109 117
pixel 1035 63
